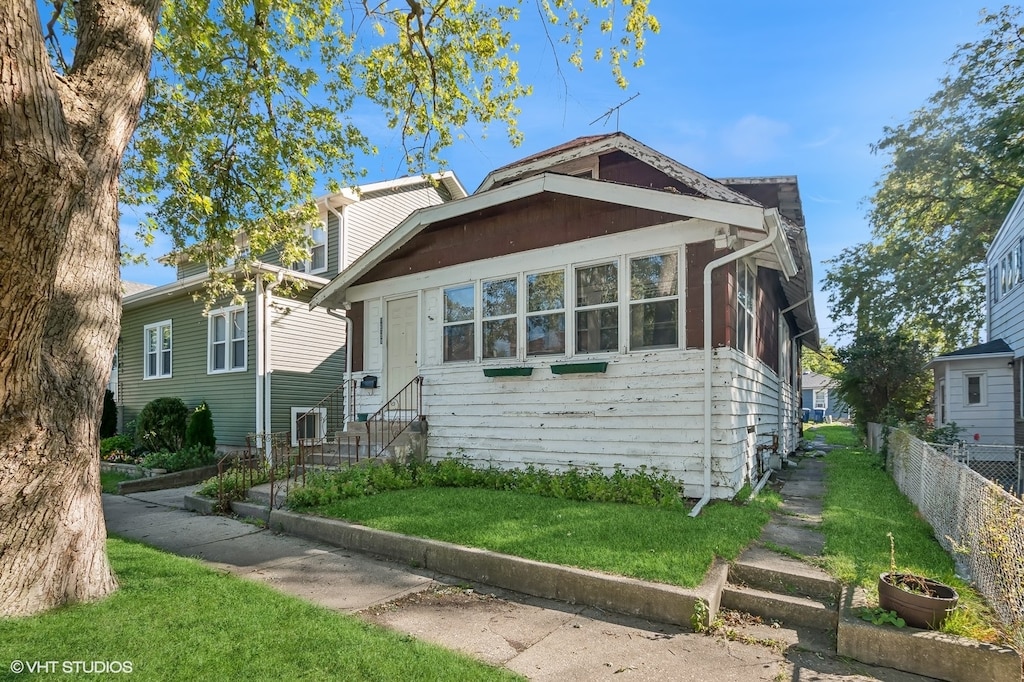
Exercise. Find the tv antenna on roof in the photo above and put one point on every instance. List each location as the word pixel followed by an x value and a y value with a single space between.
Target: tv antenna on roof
pixel 614 110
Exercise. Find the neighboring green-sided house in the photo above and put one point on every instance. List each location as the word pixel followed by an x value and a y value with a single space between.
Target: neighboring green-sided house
pixel 265 362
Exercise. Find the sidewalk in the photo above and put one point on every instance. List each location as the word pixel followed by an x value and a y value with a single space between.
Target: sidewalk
pixel 540 639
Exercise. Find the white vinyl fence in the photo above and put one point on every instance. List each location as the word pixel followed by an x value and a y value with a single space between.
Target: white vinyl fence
pixel 978 522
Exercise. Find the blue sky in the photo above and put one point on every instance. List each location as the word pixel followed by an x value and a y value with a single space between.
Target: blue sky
pixel 740 88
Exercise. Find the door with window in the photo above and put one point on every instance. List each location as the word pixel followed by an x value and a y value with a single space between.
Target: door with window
pixel 401 340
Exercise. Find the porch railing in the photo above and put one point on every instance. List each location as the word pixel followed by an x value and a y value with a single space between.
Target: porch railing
pixel 395 417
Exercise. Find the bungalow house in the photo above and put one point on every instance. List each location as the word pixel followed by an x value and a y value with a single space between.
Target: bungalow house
pixel 981 388
pixel 557 316
pixel 820 399
pixel 262 363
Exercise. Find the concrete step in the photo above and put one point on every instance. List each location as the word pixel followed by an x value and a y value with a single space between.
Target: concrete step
pixel 763 569
pixel 789 609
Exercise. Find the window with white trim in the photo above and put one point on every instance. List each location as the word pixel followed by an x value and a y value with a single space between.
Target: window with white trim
pixel 227 340
pixel 974 389
pixel 654 301
pixel 597 308
pixel 157 350
pixel 459 323
pixel 317 261
pixel 499 317
pixel 942 402
pixel 308 424
pixel 821 398
pixel 545 313
pixel 746 297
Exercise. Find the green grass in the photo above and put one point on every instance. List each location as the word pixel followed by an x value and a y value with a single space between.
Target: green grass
pixel 862 505
pixel 110 479
pixel 835 434
pixel 648 543
pixel 175 619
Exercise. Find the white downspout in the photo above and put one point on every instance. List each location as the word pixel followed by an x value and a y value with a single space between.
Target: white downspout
pixel 773 231
pixel 348 361
pixel 264 421
pixel 342 237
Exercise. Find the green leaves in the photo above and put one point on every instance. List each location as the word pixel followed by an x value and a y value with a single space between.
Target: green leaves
pixel 253 102
pixel 955 168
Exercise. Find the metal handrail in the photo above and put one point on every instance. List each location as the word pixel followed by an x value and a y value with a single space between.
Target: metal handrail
pixel 385 425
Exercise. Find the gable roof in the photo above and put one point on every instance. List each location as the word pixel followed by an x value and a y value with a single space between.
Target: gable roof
pixel 812 381
pixel 749 217
pixel 591 145
pixel 710 200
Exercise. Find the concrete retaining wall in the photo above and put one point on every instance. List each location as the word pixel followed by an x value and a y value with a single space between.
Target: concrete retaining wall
pixel 175 480
pixel 657 602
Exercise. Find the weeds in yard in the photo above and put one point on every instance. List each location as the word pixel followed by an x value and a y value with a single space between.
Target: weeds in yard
pixel 642 486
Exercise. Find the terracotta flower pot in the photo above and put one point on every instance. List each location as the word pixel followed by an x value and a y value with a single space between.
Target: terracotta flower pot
pixel 920 610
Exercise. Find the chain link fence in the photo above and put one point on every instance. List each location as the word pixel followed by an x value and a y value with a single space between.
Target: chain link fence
pixel 1001 464
pixel 977 520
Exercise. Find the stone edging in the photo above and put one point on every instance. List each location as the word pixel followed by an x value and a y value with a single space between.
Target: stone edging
pixel 923 652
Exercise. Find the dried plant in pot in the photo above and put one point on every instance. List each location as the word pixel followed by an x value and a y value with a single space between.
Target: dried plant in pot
pixel 921 602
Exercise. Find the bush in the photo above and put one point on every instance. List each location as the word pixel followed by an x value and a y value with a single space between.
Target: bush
pixel 200 428
pixel 186 458
pixel 108 422
pixel 644 486
pixel 161 425
pixel 118 449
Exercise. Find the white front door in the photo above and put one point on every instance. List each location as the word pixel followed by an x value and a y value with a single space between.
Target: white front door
pixel 400 365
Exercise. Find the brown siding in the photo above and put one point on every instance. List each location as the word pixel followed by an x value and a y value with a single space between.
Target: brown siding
pixel 355 339
pixel 532 223
pixel 621 167
pixel 699 255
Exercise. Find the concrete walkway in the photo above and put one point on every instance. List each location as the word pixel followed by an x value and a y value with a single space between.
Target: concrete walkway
pixel 540 639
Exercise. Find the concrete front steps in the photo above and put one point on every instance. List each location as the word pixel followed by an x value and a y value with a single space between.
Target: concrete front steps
pixel 781 589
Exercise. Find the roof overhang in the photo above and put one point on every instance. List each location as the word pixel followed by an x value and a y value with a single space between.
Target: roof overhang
pixel 615 142
pixel 943 359
pixel 743 216
pixel 351 195
pixel 190 285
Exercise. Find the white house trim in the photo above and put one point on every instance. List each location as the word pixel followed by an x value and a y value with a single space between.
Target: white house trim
pixel 743 216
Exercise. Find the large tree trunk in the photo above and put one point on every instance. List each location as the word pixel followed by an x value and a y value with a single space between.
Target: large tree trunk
pixel 61 144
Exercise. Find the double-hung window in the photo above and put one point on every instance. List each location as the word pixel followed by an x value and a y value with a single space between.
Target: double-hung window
pixel 597 308
pixel 157 340
pixel 821 398
pixel 654 301
pixel 459 323
pixel 317 251
pixel 499 318
pixel 974 389
pixel 545 313
pixel 227 340
pixel 746 295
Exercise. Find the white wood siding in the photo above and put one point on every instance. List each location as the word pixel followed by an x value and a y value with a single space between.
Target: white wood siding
pixel 992 420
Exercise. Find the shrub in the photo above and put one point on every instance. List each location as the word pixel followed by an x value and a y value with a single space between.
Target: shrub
pixel 644 486
pixel 108 422
pixel 119 445
pixel 200 428
pixel 161 425
pixel 186 458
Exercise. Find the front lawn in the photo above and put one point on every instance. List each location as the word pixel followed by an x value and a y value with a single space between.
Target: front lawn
pixel 174 619
pixel 649 543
